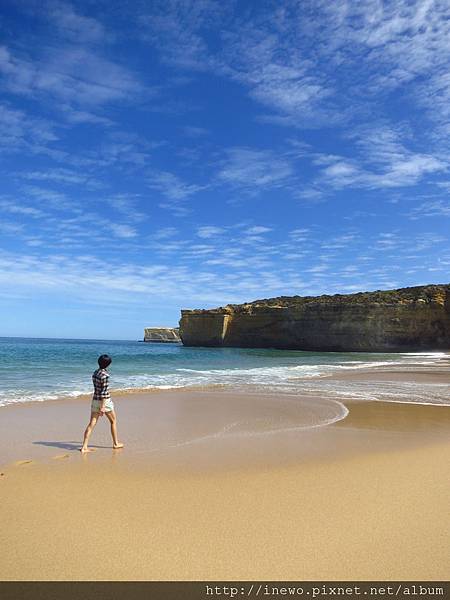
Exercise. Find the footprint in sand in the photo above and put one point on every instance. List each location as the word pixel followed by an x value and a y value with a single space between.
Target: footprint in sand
pixel 60 456
pixel 19 463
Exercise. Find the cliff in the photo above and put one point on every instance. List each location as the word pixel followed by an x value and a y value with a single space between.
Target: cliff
pixel 407 319
pixel 161 334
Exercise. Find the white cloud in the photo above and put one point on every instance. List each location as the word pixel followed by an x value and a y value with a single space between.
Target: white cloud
pixel 72 25
pixel 209 231
pixel 383 161
pixel 126 206
pixel 195 132
pixel 21 132
pixel 14 207
pixel 257 54
pixel 11 228
pixel 165 233
pixel 317 269
pixel 76 76
pixel 76 116
pixel 174 189
pixel 431 208
pixel 251 168
pixel 314 64
pixel 257 230
pixel 63 176
pixel 49 197
pixel 275 74
pixel 123 231
pixel 172 186
pixel 177 27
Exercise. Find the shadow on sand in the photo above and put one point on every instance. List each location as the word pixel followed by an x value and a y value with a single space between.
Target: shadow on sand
pixel 67 445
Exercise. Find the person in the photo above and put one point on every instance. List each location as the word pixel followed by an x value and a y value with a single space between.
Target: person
pixel 101 404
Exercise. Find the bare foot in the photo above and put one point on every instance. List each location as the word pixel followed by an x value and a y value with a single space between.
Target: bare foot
pixel 117 446
pixel 85 450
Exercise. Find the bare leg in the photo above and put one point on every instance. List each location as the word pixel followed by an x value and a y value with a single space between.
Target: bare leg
pixel 113 420
pixel 87 433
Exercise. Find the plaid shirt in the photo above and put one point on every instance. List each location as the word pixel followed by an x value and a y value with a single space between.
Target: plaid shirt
pixel 100 380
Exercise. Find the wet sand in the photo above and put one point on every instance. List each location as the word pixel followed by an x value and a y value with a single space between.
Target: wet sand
pixel 435 375
pixel 216 485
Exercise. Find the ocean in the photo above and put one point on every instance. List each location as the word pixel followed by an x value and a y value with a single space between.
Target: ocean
pixel 45 369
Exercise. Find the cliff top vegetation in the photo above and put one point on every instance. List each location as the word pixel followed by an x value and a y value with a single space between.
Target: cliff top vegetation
pixel 424 294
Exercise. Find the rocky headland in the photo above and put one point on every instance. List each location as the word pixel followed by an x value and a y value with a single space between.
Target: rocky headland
pixel 161 334
pixel 406 319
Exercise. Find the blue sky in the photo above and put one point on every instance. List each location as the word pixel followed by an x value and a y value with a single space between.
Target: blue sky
pixel 194 153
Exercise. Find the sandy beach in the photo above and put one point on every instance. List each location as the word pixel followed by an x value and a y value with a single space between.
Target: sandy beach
pixel 219 485
pixel 228 220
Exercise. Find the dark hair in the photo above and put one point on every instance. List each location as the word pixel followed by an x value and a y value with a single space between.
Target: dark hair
pixel 104 361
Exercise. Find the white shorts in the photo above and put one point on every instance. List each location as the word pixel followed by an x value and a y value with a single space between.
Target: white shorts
pixel 97 404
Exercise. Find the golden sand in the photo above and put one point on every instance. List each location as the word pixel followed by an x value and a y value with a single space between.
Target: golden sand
pixel 364 498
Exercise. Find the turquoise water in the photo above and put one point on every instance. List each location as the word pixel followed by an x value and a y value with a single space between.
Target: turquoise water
pixel 44 369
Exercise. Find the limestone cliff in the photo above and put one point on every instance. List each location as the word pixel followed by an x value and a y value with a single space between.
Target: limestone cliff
pixel 161 334
pixel 407 319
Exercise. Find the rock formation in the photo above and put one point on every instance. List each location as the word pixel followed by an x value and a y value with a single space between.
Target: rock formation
pixel 161 334
pixel 407 319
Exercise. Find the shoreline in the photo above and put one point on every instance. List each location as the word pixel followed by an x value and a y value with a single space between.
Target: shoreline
pixel 417 372
pixel 187 416
pixel 433 375
pixel 224 485
pixel 219 407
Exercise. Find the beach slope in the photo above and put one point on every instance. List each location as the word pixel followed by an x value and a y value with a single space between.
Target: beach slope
pixel 213 485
